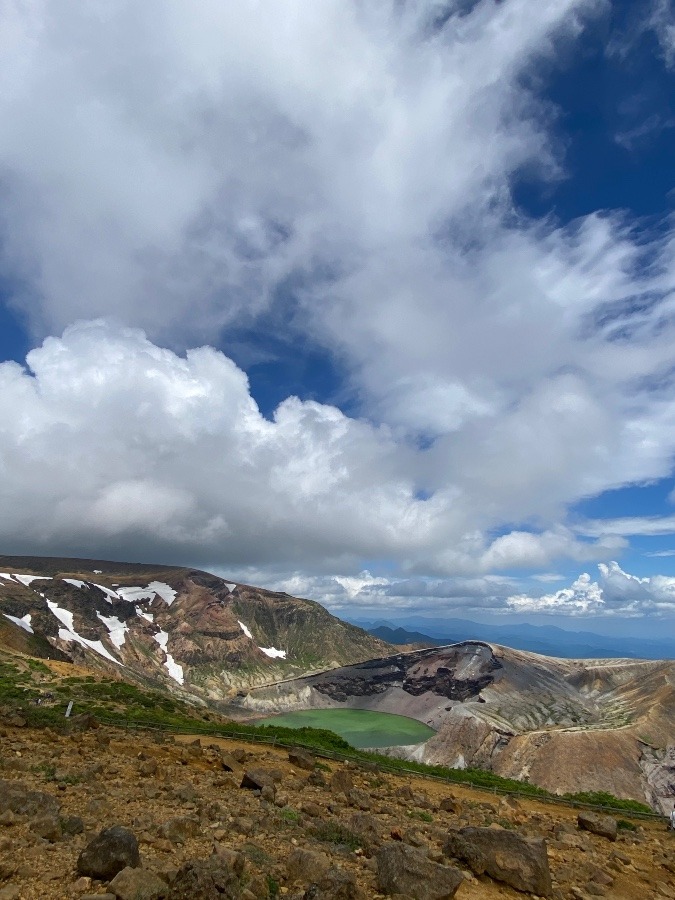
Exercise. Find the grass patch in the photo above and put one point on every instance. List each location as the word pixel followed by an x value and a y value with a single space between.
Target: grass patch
pixel 606 800
pixel 289 815
pixel 420 814
pixel 334 833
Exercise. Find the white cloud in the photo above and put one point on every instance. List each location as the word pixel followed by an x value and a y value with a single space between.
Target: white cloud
pixel 346 168
pixel 615 593
pixel 628 526
pixel 111 442
pixel 662 21
pixel 110 445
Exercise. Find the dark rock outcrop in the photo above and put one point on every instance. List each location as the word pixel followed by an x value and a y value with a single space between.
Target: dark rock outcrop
pixel 520 862
pixel 403 870
pixel 107 854
pixel 604 826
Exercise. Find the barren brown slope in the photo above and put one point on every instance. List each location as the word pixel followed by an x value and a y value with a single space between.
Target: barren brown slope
pixel 316 831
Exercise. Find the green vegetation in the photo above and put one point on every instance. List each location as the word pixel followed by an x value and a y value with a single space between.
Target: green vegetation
pixel 334 833
pixel 624 825
pixel 127 705
pixel 289 815
pixel 608 801
pixel 420 814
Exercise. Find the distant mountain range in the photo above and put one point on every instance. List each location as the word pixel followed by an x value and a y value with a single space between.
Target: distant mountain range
pixel 546 639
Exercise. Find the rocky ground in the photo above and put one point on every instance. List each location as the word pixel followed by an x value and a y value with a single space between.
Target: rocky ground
pixel 224 819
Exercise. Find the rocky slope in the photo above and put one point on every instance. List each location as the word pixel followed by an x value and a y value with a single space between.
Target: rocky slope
pixel 182 629
pixel 567 725
pixel 197 820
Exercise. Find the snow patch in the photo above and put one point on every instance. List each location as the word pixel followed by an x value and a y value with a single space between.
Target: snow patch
pixel 96 646
pixel 175 670
pixel 245 629
pixel 6 575
pixel 135 594
pixel 98 571
pixel 154 589
pixel 26 579
pixel 109 595
pixel 63 615
pixel 76 582
pixel 24 622
pixel 166 592
pixel 273 652
pixel 230 587
pixel 147 616
pixel 116 629
pixel 69 634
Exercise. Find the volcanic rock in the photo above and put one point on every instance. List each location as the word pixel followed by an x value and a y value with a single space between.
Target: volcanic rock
pixel 604 826
pixel 518 861
pixel 107 854
pixel 403 870
pixel 138 884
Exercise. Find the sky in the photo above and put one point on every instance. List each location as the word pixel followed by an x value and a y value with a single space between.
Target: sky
pixel 369 302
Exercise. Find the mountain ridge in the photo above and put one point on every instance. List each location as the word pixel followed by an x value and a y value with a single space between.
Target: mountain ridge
pixel 192 631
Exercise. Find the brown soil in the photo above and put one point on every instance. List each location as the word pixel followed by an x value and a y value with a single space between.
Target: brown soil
pixel 101 775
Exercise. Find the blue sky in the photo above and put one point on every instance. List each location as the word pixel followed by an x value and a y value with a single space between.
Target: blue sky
pixel 373 304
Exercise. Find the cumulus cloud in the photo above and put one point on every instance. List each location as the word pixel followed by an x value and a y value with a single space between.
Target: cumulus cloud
pixel 615 593
pixel 108 440
pixel 111 444
pixel 345 171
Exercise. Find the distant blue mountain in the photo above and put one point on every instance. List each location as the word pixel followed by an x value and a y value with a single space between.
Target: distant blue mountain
pixel 546 639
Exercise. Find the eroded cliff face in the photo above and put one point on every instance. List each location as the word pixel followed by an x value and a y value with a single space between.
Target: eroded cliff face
pixel 566 725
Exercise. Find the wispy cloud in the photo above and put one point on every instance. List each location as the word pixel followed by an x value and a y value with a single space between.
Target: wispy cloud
pixel 628 526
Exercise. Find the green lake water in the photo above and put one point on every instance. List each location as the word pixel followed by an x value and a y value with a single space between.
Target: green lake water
pixel 361 727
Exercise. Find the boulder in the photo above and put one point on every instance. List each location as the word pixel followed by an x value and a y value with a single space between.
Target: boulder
pixel 229 763
pixel 179 829
pixel 257 779
pixel 604 826
pixel 47 827
pixel 147 768
pixel 402 870
pixel 72 825
pixel 306 865
pixel 204 879
pixel 16 797
pixel 358 798
pixel 366 826
pixel 335 884
pixel 138 884
pixel 301 759
pixel 520 862
pixel 341 782
pixel 108 853
pixel 451 804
